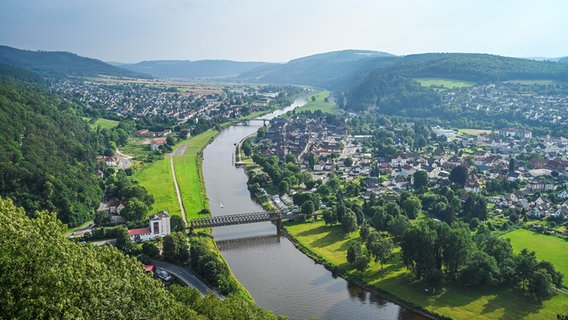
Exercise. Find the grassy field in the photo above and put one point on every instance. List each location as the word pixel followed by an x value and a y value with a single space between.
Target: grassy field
pixel 473 132
pixel 533 82
pixel 548 248
pixel 104 123
pixel 330 244
pixel 157 179
pixel 319 104
pixel 443 84
pixel 192 187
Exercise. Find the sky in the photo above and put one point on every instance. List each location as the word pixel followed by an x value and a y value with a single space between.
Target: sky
pixel 281 30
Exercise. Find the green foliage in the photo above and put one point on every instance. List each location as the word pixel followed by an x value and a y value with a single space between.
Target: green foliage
pixel 211 266
pixel 47 154
pixel 47 276
pixel 134 209
pixel 177 224
pixel 176 247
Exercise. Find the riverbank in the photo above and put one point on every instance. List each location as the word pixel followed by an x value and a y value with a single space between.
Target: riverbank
pixel 327 245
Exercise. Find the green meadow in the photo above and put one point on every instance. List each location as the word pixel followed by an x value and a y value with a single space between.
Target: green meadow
pixel 329 245
pixel 547 248
pixel 319 104
pixel 157 178
pixel 443 84
pixel 188 174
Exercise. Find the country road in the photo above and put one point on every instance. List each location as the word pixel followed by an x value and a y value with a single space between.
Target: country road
pixel 187 276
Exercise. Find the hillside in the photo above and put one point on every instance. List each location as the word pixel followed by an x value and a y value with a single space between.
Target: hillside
pixel 47 276
pixel 330 70
pixel 47 152
pixel 392 86
pixel 58 64
pixel 203 69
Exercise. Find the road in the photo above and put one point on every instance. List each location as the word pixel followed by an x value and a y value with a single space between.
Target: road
pixel 187 277
pixel 123 160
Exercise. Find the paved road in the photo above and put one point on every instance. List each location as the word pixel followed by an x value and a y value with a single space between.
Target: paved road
pixel 187 276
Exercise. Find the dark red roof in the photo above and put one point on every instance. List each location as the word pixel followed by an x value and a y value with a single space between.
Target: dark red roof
pixel 135 232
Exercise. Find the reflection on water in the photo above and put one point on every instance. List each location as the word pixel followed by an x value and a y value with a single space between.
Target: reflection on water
pixel 278 276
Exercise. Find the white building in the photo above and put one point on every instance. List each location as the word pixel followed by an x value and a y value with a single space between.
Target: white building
pixel 159 227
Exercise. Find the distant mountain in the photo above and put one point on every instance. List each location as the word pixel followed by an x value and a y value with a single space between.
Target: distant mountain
pixel 563 59
pixel 330 70
pixel 57 64
pixel 184 69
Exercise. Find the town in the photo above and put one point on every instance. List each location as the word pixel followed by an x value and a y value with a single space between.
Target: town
pixel 535 166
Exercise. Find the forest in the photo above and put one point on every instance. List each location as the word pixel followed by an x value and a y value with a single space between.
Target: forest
pixel 60 278
pixel 47 152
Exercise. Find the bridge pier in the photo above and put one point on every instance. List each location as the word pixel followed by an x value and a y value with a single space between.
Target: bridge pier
pixel 278 227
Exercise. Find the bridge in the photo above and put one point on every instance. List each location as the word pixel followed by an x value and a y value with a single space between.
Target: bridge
pixel 244 218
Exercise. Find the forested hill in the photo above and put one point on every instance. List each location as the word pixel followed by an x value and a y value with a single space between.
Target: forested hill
pixel 47 152
pixel 203 69
pixel 58 64
pixel 332 70
pixel 392 86
pixel 44 275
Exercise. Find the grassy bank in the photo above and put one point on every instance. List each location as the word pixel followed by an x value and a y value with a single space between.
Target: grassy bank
pixel 328 245
pixel 188 174
pixel 547 248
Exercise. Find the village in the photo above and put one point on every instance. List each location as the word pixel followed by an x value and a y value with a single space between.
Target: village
pixel 537 166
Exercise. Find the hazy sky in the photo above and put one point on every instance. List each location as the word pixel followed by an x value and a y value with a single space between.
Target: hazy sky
pixel 281 30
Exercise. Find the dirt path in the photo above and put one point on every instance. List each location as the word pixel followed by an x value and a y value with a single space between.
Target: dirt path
pixel 178 152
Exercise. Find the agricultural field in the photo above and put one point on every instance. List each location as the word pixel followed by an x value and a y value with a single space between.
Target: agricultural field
pixel 547 247
pixel 330 245
pixel 443 84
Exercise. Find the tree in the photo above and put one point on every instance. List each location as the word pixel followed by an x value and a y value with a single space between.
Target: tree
pixel 381 248
pixel 392 209
pixel 329 217
pixel 123 242
pixel 353 251
pixel 307 207
pixel 349 221
pixel 283 186
pixel 177 224
pixel 291 158
pixel 134 209
pixel 420 180
pixel 481 270
pixel 150 249
pixel 364 231
pixel 312 159
pixel 539 285
pixel 348 162
pixel 458 175
pixel 411 206
pixel 176 248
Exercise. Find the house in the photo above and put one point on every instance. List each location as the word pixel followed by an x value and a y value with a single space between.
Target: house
pixel 144 133
pixel 156 143
pixel 159 227
pixel 110 161
pixel 563 194
pixel 513 132
pixel 540 183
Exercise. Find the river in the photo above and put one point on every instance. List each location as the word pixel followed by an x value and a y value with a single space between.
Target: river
pixel 278 276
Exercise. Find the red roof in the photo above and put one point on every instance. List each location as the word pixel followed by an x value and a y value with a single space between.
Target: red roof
pixel 149 268
pixel 135 232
